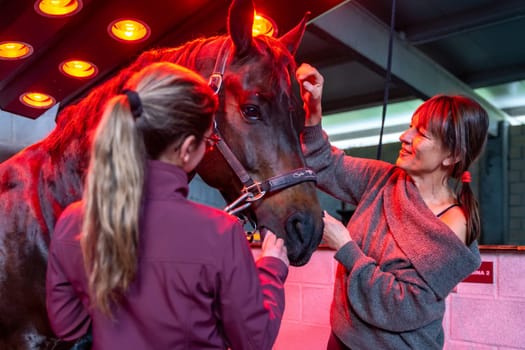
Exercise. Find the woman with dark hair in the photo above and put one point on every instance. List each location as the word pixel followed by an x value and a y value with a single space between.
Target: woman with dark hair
pixel 412 237
pixel 140 264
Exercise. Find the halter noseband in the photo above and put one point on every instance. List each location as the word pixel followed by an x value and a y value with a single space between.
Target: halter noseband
pixel 252 190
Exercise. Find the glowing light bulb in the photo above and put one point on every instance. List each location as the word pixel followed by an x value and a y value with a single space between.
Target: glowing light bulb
pixel 263 25
pixel 78 68
pixel 129 30
pixel 37 100
pixel 14 50
pixel 58 8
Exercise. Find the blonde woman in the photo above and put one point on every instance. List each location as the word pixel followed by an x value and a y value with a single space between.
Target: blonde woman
pixel 136 261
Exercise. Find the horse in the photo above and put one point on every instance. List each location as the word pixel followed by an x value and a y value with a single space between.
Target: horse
pixel 258 165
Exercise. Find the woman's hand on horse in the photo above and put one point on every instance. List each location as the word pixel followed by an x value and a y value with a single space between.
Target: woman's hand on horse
pixel 335 234
pixel 274 246
pixel 311 83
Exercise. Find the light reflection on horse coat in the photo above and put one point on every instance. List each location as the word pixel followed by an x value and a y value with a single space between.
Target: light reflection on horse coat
pixel 40 181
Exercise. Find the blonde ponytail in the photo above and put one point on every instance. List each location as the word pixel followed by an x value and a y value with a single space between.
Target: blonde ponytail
pixel 112 199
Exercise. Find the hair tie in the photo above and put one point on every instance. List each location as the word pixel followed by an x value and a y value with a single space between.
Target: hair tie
pixel 466 178
pixel 134 102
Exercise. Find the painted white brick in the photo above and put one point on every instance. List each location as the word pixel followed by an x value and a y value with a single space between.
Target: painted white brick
pixel 487 321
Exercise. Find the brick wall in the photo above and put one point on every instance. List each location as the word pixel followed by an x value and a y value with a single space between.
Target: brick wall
pixel 478 317
pixel 489 316
pixel 517 185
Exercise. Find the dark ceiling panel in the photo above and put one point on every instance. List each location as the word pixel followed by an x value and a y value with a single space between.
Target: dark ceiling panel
pixel 84 36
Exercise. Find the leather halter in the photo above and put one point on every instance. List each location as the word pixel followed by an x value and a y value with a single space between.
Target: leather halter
pixel 252 190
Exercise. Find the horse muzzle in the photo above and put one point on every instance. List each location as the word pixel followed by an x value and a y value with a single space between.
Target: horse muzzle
pixel 303 236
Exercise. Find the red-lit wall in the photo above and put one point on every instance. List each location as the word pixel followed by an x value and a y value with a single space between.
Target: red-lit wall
pixel 479 316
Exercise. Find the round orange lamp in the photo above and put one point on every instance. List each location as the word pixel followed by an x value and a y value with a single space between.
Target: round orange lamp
pixel 58 8
pixel 129 30
pixel 78 69
pixel 263 25
pixel 14 50
pixel 37 100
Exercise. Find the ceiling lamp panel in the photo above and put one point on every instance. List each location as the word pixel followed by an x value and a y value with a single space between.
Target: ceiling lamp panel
pixel 129 30
pixel 37 100
pixel 78 69
pixel 58 8
pixel 14 50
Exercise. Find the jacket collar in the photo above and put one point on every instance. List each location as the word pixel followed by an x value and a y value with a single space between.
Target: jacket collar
pixel 165 180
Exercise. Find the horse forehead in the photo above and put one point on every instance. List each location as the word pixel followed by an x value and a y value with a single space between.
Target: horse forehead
pixel 266 77
pixel 264 61
pixel 262 66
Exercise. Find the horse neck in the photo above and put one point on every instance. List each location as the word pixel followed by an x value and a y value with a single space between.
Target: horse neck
pixel 36 190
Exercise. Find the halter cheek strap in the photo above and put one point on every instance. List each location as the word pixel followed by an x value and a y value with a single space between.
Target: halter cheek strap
pixel 215 80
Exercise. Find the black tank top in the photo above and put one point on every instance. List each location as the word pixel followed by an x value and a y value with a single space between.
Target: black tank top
pixel 447 209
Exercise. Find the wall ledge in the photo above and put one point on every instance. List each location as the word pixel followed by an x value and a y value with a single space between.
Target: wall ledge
pixel 502 248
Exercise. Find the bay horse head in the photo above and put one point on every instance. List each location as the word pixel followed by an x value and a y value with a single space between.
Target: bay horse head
pixel 258 164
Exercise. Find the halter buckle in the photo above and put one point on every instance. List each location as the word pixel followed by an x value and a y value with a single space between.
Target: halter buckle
pixel 255 191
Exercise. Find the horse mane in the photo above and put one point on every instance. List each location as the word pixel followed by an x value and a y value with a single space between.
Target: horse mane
pixel 282 75
pixel 78 121
pixel 278 53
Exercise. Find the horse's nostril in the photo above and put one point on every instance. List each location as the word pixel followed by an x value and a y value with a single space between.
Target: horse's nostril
pixel 302 237
pixel 299 228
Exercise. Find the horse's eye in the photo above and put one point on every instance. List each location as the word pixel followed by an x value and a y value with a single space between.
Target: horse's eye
pixel 251 112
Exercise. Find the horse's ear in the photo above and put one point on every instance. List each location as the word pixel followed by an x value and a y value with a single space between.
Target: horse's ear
pixel 240 23
pixel 293 38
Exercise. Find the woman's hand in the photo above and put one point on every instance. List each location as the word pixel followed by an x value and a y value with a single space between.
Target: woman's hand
pixel 273 246
pixel 311 83
pixel 335 233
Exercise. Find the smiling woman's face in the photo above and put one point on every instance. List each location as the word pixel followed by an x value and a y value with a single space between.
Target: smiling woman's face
pixel 421 152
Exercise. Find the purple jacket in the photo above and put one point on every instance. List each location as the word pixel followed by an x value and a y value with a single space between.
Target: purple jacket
pixel 197 285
